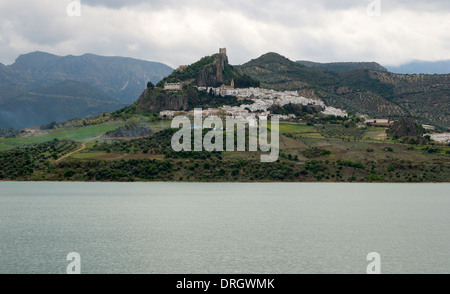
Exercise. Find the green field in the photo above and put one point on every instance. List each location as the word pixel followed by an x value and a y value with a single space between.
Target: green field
pixel 85 133
pixel 78 134
pixel 340 131
pixel 332 131
pixel 298 130
pixel 160 125
pixel 4 147
pixel 375 133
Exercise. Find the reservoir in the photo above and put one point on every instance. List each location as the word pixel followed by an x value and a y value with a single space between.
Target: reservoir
pixel 224 228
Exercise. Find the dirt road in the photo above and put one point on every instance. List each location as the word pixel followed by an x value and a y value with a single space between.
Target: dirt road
pixel 83 146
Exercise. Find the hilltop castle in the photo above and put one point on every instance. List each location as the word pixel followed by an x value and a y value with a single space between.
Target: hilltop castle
pixel 183 68
pixel 207 76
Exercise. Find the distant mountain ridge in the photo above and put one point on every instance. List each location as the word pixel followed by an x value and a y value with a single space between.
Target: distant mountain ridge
pixel 106 84
pixel 120 77
pixel 422 67
pixel 344 66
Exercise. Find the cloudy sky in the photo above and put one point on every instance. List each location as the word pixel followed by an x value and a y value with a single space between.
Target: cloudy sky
pixel 181 31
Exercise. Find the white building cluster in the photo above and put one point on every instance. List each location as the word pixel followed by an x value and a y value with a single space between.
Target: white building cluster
pixel 256 93
pixel 442 138
pixel 263 99
pixel 334 111
pixel 172 86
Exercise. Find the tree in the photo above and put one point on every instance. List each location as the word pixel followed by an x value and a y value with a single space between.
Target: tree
pixel 69 173
pixel 150 86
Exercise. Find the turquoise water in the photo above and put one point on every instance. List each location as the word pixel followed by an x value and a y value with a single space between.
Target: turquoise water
pixel 224 228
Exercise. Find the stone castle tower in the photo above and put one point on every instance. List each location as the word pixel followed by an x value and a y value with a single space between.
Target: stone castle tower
pixel 223 51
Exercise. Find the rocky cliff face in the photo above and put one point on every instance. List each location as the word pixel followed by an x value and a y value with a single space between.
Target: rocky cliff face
pixel 212 75
pixel 156 101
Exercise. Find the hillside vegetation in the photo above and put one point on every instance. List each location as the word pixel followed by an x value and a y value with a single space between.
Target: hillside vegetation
pixel 305 156
pixel 344 66
pixel 425 98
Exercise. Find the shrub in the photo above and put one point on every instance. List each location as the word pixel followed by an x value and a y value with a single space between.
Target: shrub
pixel 69 173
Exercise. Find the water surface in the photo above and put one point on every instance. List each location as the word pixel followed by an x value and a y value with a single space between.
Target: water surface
pixel 224 228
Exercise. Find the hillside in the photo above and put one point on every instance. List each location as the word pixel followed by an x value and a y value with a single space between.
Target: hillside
pixel 376 93
pixel 423 97
pixel 344 66
pixel 59 102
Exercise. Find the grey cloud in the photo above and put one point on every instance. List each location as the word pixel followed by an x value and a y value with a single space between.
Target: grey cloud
pixel 256 5
pixel 288 12
pixel 179 32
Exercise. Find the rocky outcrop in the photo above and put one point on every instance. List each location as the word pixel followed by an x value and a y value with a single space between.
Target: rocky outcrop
pixel 405 127
pixel 210 71
pixel 212 75
pixel 157 100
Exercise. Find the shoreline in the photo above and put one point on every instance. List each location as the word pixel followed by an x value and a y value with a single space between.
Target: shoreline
pixel 238 182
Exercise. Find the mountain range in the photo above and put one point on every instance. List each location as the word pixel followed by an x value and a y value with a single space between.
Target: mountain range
pixel 422 67
pixel 414 67
pixel 41 87
pixel 343 66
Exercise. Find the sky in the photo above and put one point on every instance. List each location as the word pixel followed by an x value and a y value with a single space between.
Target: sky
pixel 391 32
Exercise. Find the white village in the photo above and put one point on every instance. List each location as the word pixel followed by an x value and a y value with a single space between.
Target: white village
pixel 262 99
